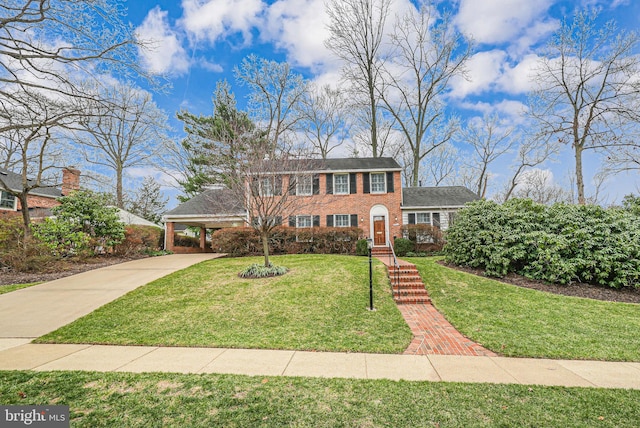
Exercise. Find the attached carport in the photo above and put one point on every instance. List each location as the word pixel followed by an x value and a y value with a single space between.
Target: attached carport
pixel 211 209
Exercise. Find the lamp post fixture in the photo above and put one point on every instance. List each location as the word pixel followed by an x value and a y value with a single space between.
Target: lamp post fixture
pixel 370 247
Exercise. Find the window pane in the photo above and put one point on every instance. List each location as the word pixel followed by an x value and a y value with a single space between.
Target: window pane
pixel 377 183
pixel 423 218
pixel 342 220
pixel 304 185
pixel 341 184
pixel 7 200
pixel 266 187
pixel 303 221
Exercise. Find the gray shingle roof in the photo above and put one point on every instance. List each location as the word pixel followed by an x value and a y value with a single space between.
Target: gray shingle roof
pixel 356 164
pixel 446 196
pixel 210 202
pixel 14 182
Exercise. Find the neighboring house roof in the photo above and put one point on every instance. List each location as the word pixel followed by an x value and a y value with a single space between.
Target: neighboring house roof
pixel 430 197
pixel 208 202
pixel 14 182
pixel 129 218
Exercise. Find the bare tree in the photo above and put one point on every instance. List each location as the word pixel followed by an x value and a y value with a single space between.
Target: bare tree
pixel 427 53
pixel 489 140
pixel 537 185
pixel 532 153
pixel 441 165
pixel 587 89
pixel 325 118
pixel 357 29
pixel 127 132
pixel 276 93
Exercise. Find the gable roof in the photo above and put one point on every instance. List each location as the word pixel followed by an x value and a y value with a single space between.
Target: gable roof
pixel 358 164
pixel 211 201
pixel 428 197
pixel 14 182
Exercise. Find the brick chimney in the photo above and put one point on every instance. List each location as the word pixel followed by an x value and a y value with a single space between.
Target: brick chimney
pixel 70 180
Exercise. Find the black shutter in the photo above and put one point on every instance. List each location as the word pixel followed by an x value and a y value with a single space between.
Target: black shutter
pixel 354 220
pixel 292 185
pixel 329 184
pixel 412 218
pixel 352 183
pixel 278 185
pixel 389 182
pixel 316 184
pixel 292 221
pixel 316 221
pixel 365 182
pixel 329 220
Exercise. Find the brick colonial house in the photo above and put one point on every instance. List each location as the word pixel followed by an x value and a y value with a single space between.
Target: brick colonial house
pixel 40 199
pixel 356 192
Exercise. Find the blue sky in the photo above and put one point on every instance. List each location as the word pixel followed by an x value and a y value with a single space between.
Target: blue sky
pixel 200 41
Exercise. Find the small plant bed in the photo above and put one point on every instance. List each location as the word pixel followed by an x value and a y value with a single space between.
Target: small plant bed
pixel 210 400
pixel 257 270
pixel 321 304
pixel 587 291
pixel 521 322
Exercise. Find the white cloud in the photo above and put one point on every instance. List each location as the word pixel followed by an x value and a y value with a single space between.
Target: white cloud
pixel 500 21
pixel 215 19
pixel 300 28
pixel 483 70
pixel 518 79
pixel 164 53
pixel 210 66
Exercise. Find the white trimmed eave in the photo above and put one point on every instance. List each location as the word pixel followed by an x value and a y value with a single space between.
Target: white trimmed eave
pixel 431 208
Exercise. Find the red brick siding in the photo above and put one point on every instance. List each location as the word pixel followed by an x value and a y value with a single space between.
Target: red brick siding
pixel 359 203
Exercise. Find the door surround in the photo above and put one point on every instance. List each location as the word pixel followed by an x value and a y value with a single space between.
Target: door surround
pixel 379 211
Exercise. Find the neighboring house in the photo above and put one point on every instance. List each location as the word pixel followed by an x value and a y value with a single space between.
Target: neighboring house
pixel 351 192
pixel 131 219
pixel 40 199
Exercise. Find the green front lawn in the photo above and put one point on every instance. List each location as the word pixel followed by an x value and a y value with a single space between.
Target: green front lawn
pixel 521 322
pixel 319 305
pixel 176 400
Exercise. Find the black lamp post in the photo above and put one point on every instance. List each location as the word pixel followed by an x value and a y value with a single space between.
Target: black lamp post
pixel 370 247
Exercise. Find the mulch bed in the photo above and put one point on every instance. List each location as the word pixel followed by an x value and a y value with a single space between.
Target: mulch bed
pixel 589 291
pixel 61 270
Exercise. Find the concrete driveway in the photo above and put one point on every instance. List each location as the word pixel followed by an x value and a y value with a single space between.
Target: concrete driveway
pixel 31 312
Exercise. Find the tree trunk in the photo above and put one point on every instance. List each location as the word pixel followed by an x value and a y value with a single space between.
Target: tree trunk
pixel 26 217
pixel 265 248
pixel 374 120
pixel 119 195
pixel 415 179
pixel 579 176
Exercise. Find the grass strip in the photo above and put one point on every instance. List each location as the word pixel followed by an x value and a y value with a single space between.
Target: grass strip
pixel 13 287
pixel 161 399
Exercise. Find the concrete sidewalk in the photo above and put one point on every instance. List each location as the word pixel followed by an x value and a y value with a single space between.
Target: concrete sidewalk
pixel 322 364
pixel 31 312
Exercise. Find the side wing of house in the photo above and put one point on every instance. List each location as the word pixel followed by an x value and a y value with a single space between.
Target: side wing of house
pixel 434 206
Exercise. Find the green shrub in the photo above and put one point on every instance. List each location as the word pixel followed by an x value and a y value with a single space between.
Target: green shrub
pixel 261 271
pixel 362 248
pixel 560 244
pixel 62 238
pixel 402 246
pixel 19 253
pixel 246 241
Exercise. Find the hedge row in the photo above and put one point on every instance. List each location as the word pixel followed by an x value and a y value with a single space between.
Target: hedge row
pixel 559 244
pixel 286 240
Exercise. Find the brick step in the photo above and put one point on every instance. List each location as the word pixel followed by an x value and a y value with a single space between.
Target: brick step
pixel 411 300
pixel 409 291
pixel 406 278
pixel 404 271
pixel 408 286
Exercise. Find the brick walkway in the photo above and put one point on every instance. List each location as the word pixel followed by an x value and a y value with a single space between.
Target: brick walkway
pixel 432 333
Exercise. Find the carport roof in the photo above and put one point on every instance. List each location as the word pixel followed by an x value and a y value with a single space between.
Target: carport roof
pixel 209 202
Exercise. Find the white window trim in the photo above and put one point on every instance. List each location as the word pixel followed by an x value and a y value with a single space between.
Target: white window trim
pixel 384 178
pixel 272 185
pixel 424 212
pixel 335 192
pixel 298 186
pixel 335 220
pixel 15 201
pixel 299 217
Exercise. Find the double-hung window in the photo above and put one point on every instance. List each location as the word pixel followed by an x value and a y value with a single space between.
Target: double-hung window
pixel 341 184
pixel 423 218
pixel 304 185
pixel 267 187
pixel 303 221
pixel 342 220
pixel 378 184
pixel 7 200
